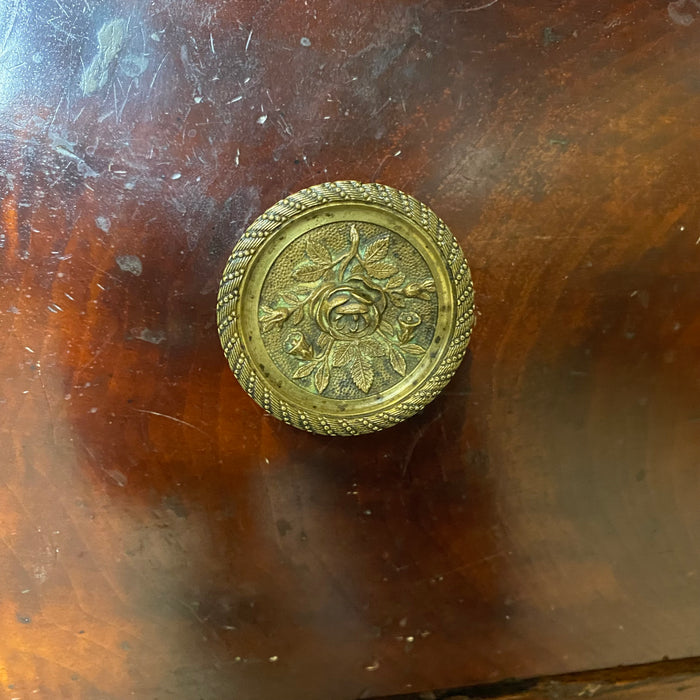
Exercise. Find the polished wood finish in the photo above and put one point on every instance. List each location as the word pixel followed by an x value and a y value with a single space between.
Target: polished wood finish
pixel 161 536
pixel 662 680
pixel 672 688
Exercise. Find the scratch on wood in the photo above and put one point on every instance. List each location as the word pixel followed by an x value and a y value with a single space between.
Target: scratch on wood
pixel 155 75
pixel 63 9
pixel 412 446
pixel 468 565
pixel 172 418
pixel 10 28
pixel 476 9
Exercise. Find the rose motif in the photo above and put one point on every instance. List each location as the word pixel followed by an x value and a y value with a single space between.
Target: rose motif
pixel 357 299
pixel 350 310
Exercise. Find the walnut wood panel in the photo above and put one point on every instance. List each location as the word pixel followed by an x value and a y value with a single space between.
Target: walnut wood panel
pixel 161 536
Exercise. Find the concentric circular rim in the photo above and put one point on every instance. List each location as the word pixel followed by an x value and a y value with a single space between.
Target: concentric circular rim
pixel 277 217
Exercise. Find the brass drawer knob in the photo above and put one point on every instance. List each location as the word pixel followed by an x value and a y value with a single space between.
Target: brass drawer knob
pixel 345 308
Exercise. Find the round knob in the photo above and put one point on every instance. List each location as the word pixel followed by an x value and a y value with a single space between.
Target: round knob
pixel 345 308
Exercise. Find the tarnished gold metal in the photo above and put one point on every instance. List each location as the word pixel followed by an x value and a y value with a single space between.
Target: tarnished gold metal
pixel 345 308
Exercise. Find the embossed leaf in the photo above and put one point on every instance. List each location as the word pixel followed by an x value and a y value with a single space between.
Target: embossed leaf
pixel 321 377
pixel 397 299
pixel 324 340
pixel 318 252
pixel 309 273
pixel 386 328
pixel 397 360
pixel 380 270
pixel 297 316
pixel 343 353
pixel 413 349
pixel 290 298
pixel 377 249
pixel 304 370
pixel 396 281
pixel 362 373
pixel 355 270
pixel 372 347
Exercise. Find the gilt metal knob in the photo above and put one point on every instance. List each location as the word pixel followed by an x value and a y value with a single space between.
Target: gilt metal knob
pixel 345 308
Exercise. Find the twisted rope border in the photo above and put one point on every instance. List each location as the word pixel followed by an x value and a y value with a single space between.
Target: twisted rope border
pixel 264 226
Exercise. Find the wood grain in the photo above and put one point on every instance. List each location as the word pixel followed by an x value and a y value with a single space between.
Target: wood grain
pixel 161 536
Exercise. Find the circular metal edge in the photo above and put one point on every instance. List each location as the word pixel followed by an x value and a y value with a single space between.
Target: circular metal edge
pixel 253 280
pixel 271 221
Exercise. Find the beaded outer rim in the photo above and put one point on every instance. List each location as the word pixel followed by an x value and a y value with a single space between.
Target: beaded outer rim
pixel 265 226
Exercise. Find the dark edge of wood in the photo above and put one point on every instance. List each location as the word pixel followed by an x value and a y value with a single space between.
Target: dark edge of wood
pixel 606 678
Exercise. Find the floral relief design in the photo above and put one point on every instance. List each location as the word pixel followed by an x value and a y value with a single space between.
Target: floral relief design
pixel 347 300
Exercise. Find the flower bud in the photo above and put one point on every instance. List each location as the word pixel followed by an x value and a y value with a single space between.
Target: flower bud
pixel 296 344
pixel 408 322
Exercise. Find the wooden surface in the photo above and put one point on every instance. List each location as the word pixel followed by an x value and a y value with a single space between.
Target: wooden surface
pixel 680 688
pixel 672 688
pixel 662 680
pixel 161 537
